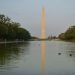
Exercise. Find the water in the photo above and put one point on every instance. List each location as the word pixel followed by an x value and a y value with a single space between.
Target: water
pixel 26 58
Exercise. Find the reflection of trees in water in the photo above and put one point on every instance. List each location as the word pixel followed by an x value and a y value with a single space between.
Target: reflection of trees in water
pixel 9 53
pixel 70 50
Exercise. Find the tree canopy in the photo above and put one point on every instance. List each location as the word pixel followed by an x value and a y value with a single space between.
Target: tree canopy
pixel 69 34
pixel 10 30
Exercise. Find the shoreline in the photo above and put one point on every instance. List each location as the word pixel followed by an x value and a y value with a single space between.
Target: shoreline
pixel 8 42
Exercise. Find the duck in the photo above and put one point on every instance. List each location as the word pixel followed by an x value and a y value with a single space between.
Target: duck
pixel 59 53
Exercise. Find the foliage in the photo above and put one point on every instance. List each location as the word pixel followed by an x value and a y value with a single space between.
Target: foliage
pixel 11 30
pixel 69 34
pixel 61 36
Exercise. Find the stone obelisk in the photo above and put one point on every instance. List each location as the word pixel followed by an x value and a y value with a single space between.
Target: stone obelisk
pixel 43 37
pixel 43 23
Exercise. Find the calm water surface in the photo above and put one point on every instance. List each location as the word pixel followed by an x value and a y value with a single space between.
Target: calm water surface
pixel 25 58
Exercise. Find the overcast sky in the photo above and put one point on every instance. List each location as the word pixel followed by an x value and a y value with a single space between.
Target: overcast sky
pixel 59 14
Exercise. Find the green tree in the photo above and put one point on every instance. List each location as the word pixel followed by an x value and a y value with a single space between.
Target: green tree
pixel 70 33
pixel 61 36
pixel 23 34
pixel 11 30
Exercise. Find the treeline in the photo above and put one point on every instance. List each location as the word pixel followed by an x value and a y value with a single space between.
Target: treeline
pixel 69 34
pixel 10 30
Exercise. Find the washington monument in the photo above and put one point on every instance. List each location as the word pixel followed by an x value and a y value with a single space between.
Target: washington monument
pixel 43 36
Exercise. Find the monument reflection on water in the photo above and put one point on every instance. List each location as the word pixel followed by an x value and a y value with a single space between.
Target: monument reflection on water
pixel 26 58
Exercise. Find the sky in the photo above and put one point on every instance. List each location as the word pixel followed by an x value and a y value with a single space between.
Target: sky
pixel 59 14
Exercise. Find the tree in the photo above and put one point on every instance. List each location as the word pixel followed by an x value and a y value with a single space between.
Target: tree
pixel 23 34
pixel 11 30
pixel 69 34
pixel 61 36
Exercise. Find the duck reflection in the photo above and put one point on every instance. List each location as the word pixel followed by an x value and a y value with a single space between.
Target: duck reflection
pixel 71 53
pixel 70 50
pixel 10 53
